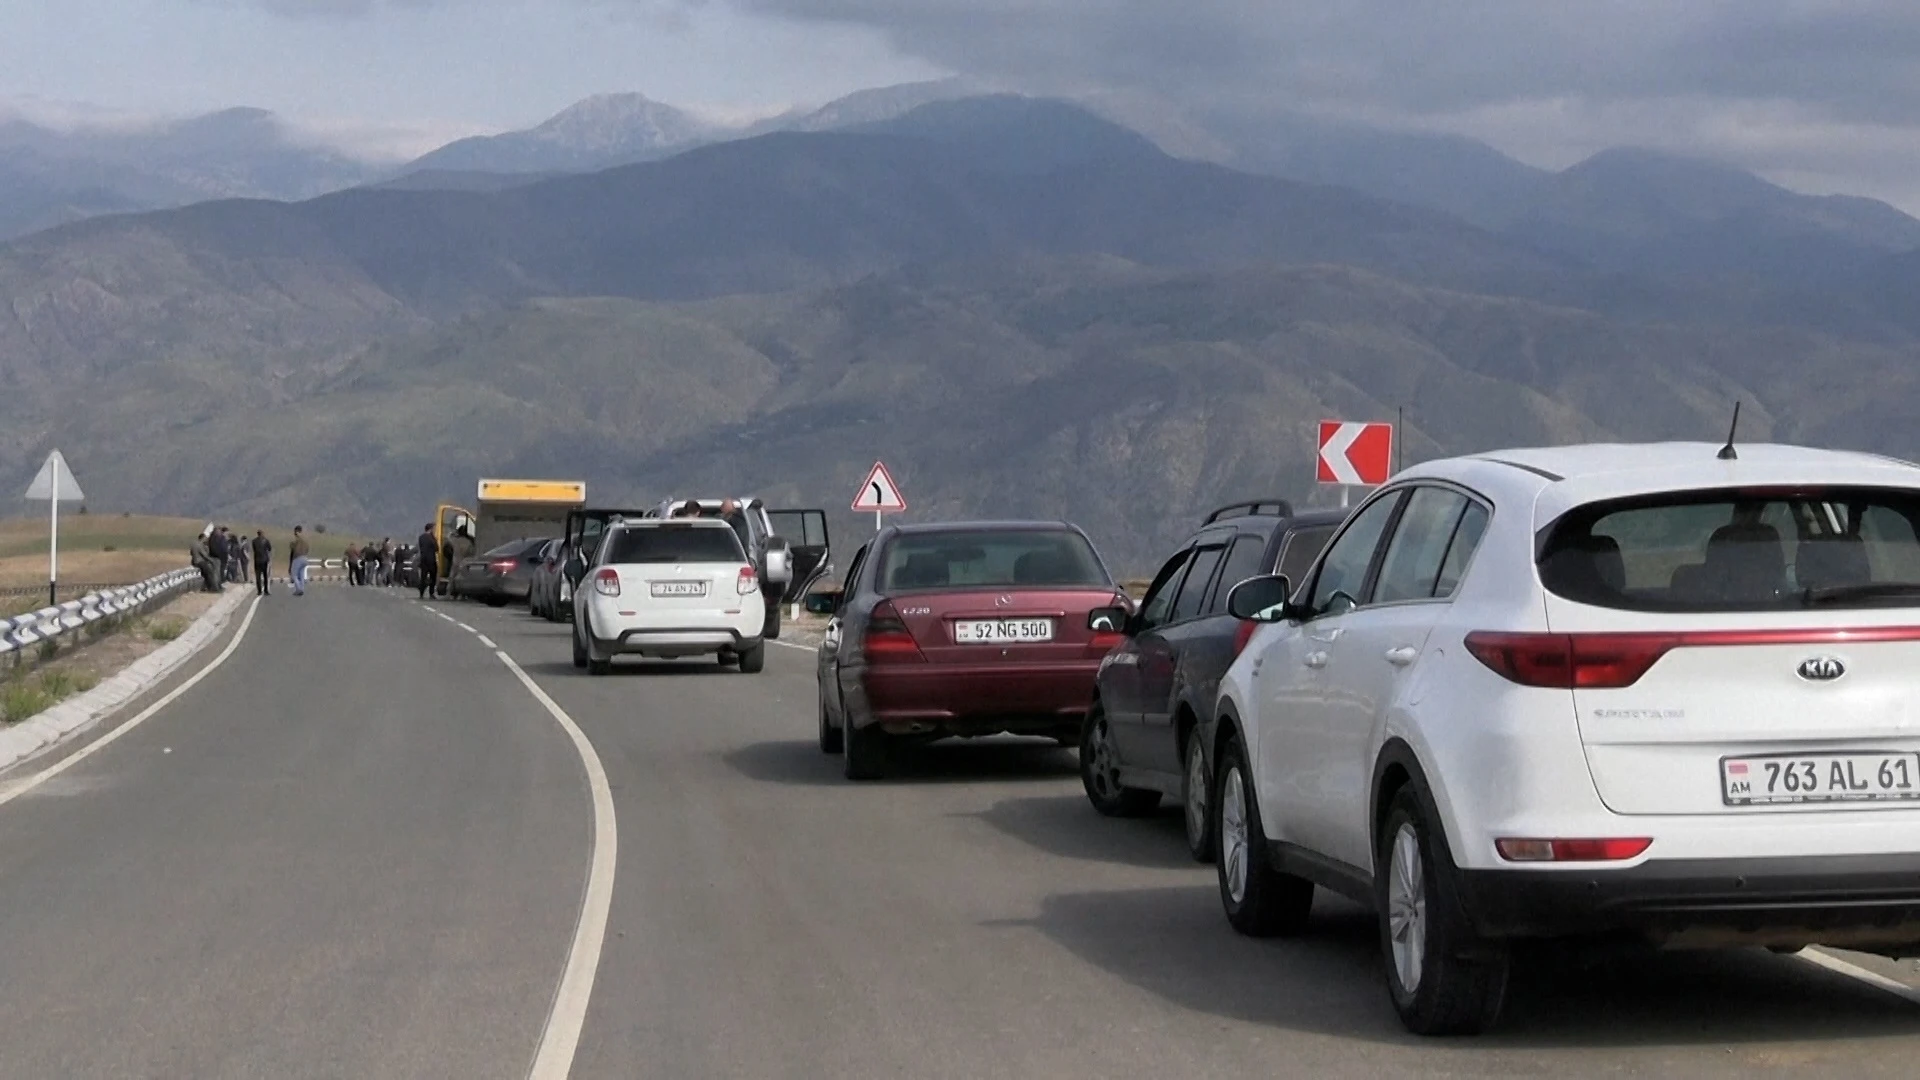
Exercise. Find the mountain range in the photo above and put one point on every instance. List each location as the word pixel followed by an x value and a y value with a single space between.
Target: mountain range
pixel 1022 306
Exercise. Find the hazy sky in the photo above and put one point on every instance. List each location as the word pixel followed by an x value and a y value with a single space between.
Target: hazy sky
pixel 1821 94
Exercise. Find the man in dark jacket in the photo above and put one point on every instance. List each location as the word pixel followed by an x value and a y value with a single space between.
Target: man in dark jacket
pixel 428 553
pixel 217 553
pixel 262 563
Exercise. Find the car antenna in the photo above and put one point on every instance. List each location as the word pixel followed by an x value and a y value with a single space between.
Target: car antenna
pixel 1727 452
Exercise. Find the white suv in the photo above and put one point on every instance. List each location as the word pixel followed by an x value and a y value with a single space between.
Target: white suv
pixel 669 589
pixel 1645 690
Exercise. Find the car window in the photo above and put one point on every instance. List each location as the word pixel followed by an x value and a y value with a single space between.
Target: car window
pixel 992 558
pixel 1411 569
pixel 1193 590
pixel 851 583
pixel 1302 547
pixel 1343 572
pixel 1158 604
pixel 1466 540
pixel 673 544
pixel 1243 561
pixel 1827 547
pixel 507 550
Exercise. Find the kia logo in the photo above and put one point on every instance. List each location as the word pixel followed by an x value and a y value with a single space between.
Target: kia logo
pixel 1822 669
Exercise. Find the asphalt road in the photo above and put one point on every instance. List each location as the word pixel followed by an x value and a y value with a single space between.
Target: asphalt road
pixel 361 847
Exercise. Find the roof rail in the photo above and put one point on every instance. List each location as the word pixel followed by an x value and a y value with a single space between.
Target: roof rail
pixel 1252 508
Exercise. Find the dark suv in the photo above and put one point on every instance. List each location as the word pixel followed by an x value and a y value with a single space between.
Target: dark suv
pixel 1155 694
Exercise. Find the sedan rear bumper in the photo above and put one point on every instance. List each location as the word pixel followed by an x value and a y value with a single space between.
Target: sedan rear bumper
pixel 1867 902
pixel 976 698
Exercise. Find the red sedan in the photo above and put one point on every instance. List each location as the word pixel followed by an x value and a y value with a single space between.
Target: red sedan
pixel 963 630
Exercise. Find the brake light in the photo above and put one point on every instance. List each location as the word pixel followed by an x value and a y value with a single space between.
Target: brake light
pixel 887 640
pixel 1570 661
pixel 1243 634
pixel 607 582
pixel 501 566
pixel 747 583
pixel 1105 641
pixel 1609 850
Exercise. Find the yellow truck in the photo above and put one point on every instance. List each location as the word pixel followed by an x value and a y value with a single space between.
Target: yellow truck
pixel 506 511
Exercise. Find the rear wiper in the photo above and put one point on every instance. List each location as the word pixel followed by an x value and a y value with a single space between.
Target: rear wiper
pixel 1868 591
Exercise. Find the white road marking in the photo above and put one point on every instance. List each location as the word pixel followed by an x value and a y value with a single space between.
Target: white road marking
pixel 465 627
pixel 1821 958
pixel 487 641
pixel 561 1038
pixel 145 714
pixel 791 645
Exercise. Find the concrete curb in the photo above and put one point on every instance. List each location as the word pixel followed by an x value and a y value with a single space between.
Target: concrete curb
pixel 78 713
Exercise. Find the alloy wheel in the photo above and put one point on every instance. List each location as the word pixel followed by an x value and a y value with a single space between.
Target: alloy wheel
pixel 1407 909
pixel 1233 834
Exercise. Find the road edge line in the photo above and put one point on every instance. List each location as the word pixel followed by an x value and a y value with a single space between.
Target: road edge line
pixel 1825 960
pixel 560 1038
pixel 13 792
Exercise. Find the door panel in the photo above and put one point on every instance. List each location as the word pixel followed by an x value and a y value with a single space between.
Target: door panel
pixel 1125 679
pixel 1161 659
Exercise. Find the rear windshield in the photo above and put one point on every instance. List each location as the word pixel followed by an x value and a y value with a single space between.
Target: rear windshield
pixel 513 548
pixel 990 560
pixel 674 544
pixel 1740 551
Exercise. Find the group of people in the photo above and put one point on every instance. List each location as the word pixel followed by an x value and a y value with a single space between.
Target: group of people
pixel 224 557
pixel 376 565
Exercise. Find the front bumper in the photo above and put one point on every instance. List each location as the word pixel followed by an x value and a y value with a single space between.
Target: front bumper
pixel 1867 902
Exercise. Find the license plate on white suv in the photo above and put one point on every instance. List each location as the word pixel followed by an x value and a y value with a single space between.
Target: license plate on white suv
pixel 1800 778
pixel 1002 631
pixel 679 588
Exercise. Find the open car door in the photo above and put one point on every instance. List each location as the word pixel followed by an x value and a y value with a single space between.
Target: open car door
pixel 805 532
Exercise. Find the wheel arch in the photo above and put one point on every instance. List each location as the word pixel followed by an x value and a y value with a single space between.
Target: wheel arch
pixel 1397 767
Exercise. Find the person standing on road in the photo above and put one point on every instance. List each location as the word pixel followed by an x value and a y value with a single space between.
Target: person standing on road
pixel 429 571
pixel 201 553
pixel 384 559
pixel 297 561
pixel 353 565
pixel 217 555
pixel 243 554
pixel 262 563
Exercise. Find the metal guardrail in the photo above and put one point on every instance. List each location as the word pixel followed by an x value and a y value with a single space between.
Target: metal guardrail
pixel 52 622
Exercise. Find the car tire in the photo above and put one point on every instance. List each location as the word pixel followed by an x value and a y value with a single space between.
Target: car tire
pixel 829 734
pixel 1099 772
pixel 770 630
pixel 753 661
pixel 579 649
pixel 1458 979
pixel 1196 802
pixel 863 752
pixel 1260 900
pixel 496 601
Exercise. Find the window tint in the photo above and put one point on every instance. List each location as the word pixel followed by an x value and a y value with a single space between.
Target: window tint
pixel 851 583
pixel 673 544
pixel 1466 540
pixel 1193 591
pixel 1303 546
pixel 1411 569
pixel 1159 601
pixel 1740 551
pixel 992 559
pixel 1244 561
pixel 800 528
pixel 1343 573
pixel 507 550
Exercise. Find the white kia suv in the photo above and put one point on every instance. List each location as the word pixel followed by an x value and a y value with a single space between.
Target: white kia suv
pixel 669 589
pixel 1668 691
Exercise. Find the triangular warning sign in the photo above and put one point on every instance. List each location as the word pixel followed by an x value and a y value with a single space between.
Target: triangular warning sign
pixel 880 494
pixel 55 480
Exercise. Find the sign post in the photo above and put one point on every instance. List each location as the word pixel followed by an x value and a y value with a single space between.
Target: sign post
pixel 1354 455
pixel 53 483
pixel 880 495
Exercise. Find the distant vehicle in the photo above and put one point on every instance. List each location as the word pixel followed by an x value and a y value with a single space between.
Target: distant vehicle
pixel 669 589
pixel 508 509
pixel 1152 720
pixel 962 630
pixel 501 576
pixel 583 528
pixel 543 591
pixel 1660 691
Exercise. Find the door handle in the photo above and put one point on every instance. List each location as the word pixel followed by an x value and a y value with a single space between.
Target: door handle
pixel 1402 656
pixel 1316 660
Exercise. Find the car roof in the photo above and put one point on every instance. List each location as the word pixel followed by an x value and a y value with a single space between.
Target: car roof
pixel 667 523
pixel 1557 479
pixel 1267 525
pixel 985 526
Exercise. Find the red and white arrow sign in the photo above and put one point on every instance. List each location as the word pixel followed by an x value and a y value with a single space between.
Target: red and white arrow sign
pixel 1356 454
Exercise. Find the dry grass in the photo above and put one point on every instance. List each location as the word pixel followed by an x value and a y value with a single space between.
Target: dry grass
pixel 112 549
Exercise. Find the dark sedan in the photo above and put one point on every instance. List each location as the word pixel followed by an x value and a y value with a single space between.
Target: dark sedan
pixel 962 630
pixel 501 576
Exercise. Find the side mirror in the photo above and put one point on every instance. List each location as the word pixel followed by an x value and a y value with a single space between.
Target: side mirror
pixel 825 602
pixel 1109 620
pixel 1266 599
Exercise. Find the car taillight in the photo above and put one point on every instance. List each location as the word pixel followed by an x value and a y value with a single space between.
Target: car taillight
pixel 501 566
pixel 748 582
pixel 1610 850
pixel 1243 634
pixel 1570 661
pixel 1105 641
pixel 887 640
pixel 607 582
